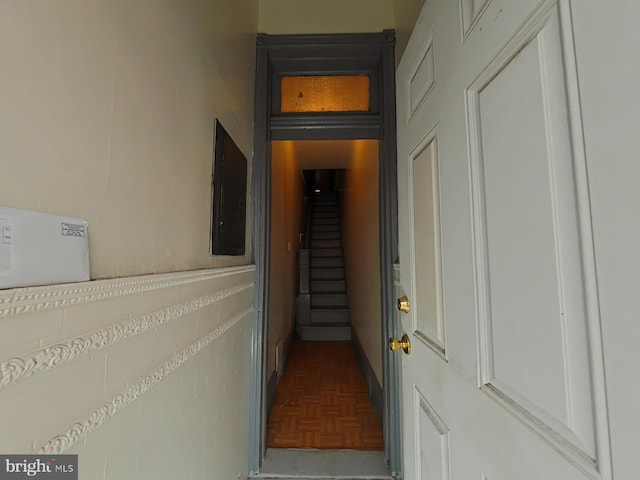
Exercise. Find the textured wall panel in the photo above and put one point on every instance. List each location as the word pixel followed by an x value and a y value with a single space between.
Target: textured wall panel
pixel 160 391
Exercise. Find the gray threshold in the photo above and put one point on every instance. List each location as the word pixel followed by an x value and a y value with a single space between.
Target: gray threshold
pixel 285 463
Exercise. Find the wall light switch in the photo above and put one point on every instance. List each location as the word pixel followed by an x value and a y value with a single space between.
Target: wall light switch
pixel 6 235
pixel 5 245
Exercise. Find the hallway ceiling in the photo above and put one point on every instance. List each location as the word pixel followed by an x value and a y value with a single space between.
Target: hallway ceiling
pixel 316 154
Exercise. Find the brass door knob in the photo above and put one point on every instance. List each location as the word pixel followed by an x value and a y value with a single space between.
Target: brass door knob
pixel 405 344
pixel 403 304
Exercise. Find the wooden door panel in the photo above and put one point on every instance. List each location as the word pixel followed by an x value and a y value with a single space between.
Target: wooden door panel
pixel 495 247
pixel 424 198
pixel 470 11
pixel 533 324
pixel 422 77
pixel 432 441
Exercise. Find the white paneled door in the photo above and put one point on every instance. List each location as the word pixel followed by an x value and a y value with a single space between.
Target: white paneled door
pixel 499 251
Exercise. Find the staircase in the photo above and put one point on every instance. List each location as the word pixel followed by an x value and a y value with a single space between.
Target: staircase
pixel 329 312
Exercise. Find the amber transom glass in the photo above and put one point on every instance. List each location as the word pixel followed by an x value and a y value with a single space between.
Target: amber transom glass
pixel 335 93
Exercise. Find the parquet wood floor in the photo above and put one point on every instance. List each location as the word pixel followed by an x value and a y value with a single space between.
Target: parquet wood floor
pixel 322 401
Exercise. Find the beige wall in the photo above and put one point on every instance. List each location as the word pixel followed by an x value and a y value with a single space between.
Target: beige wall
pixel 339 16
pixel 108 109
pixel 406 14
pixel 329 16
pixel 287 198
pixel 144 377
pixel 361 246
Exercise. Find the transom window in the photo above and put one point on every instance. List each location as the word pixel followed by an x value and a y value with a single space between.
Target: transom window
pixel 329 93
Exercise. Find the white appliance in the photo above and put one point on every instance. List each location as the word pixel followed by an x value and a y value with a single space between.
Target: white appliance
pixel 42 249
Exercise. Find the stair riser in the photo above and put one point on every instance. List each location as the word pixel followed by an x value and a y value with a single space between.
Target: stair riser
pixel 327 262
pixel 325 334
pixel 326 236
pixel 324 228
pixel 326 252
pixel 327 214
pixel 319 317
pixel 325 221
pixel 326 244
pixel 334 300
pixel 334 220
pixel 321 286
pixel 325 208
pixel 327 274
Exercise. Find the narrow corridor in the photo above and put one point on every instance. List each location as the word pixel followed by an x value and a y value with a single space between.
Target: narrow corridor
pixel 322 401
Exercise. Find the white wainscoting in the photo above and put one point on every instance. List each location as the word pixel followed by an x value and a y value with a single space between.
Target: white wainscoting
pixel 143 377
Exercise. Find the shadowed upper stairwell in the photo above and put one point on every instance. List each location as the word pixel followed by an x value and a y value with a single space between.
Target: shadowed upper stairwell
pixel 323 311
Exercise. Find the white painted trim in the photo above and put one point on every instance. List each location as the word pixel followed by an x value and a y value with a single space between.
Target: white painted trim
pixel 82 427
pixel 603 441
pixel 529 416
pixel 31 299
pixel 16 369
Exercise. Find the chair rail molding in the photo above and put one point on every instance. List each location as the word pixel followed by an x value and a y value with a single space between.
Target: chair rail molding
pixel 15 369
pixel 31 299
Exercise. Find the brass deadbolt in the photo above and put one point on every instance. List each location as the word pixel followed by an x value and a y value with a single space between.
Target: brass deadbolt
pixel 403 304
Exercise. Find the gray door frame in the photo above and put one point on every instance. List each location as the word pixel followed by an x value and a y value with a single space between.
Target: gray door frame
pixel 278 55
